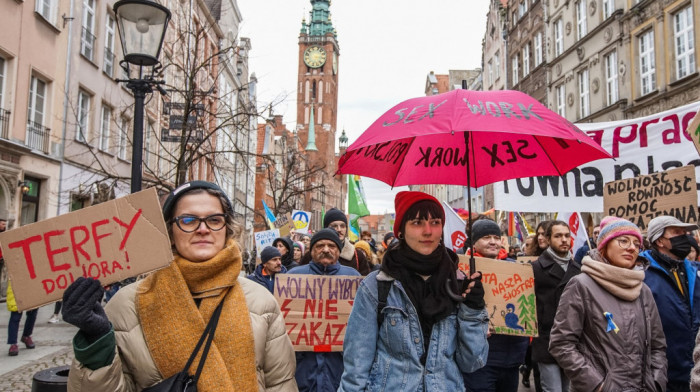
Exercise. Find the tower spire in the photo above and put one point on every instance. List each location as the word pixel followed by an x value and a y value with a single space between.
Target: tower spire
pixel 311 142
pixel 320 21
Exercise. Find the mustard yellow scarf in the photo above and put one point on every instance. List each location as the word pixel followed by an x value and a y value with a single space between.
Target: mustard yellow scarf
pixel 172 324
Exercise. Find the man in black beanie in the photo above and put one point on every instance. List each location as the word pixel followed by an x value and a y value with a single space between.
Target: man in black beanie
pixel 336 220
pixel 271 265
pixel 319 371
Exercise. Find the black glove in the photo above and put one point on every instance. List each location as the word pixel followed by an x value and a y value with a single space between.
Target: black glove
pixel 475 297
pixel 82 308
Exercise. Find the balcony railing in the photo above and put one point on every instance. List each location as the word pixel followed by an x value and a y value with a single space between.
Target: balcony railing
pixel 87 43
pixel 4 124
pixel 108 65
pixel 38 136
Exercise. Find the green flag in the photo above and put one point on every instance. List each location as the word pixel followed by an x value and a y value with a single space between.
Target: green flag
pixel 357 207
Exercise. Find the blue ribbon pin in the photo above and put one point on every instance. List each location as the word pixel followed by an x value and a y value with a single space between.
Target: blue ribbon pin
pixel 611 324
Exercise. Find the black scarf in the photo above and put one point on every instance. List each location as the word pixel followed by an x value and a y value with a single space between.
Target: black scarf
pixel 429 297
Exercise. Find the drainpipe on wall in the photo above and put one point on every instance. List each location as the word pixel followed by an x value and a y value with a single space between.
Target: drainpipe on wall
pixel 66 101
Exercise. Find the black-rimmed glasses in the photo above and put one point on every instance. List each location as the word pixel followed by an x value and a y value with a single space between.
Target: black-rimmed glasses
pixel 189 223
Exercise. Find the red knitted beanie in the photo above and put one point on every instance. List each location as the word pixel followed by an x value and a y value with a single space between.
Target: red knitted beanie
pixel 403 201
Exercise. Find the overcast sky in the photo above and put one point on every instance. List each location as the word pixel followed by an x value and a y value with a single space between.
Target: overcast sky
pixel 387 49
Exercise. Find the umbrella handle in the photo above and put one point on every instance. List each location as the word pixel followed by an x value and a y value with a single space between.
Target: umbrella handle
pixel 451 294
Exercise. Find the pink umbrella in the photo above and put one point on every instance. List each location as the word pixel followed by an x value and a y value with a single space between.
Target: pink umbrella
pixel 467 137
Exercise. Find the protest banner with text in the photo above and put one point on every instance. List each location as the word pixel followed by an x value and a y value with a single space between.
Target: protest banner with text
pixel 316 309
pixel 111 241
pixel 639 146
pixel 642 198
pixel 263 239
pixel 509 289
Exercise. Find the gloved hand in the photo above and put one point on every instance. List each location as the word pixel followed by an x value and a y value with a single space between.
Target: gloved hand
pixel 82 308
pixel 474 292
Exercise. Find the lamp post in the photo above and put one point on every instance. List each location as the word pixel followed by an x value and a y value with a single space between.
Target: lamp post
pixel 142 25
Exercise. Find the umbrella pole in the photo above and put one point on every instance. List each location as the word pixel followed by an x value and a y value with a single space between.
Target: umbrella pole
pixel 472 266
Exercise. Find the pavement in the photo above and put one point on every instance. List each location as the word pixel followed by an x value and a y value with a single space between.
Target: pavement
pixel 53 348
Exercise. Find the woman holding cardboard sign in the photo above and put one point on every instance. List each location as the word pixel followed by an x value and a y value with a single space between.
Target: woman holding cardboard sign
pixel 407 331
pixel 149 330
pixel 607 334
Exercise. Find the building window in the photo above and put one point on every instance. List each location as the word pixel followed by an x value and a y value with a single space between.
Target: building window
pixel 37 102
pixel 647 63
pixel 522 8
pixel 104 127
pixel 82 131
pixel 123 132
pixel 515 68
pixel 497 66
pixel 47 9
pixel 611 77
pixel 87 37
pixel 558 37
pixel 2 83
pixel 108 65
pixel 608 8
pixel 490 73
pixel 526 59
pixel 584 94
pixel 581 25
pixel 561 100
pixel 538 49
pixel 147 145
pixel 685 45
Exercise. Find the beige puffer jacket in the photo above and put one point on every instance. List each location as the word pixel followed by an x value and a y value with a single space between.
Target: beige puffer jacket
pixel 133 368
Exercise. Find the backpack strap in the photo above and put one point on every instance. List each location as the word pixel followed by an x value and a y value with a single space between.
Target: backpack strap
pixel 383 288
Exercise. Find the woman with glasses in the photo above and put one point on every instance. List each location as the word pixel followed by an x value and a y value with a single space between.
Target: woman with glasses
pixel 607 334
pixel 149 329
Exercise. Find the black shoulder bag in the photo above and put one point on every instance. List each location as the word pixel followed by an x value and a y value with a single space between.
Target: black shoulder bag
pixel 182 381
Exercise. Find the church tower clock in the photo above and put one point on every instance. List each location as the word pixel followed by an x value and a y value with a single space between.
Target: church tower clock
pixel 317 100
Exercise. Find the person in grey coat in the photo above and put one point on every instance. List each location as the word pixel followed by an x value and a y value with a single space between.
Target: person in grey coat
pixel 607 333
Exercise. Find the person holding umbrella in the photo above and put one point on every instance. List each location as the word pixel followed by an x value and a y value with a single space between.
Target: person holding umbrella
pixel 407 331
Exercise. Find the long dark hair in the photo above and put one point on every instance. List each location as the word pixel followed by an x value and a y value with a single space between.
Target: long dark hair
pixel 544 225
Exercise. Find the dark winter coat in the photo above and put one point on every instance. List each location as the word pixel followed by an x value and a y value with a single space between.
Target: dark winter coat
pixel 680 317
pixel 320 372
pixel 550 280
pixel 266 280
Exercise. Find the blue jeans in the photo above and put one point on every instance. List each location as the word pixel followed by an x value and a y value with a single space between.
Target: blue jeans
pixel 492 379
pixel 15 317
pixel 552 378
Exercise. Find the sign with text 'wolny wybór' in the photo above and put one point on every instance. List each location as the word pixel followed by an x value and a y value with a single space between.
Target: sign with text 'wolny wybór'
pixel 110 241
pixel 639 146
pixel 316 309
pixel 638 199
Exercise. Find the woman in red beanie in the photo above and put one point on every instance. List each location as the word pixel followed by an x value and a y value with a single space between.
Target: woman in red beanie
pixel 407 331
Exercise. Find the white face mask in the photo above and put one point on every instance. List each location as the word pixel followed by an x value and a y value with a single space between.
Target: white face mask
pixel 638 267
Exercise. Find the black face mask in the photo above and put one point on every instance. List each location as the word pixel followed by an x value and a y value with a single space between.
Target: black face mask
pixel 680 246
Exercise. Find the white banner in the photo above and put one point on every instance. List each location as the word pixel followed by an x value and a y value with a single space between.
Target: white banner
pixel 639 146
pixel 453 232
pixel 302 221
pixel 263 239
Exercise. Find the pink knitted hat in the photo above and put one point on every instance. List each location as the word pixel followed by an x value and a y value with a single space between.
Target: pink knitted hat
pixel 613 227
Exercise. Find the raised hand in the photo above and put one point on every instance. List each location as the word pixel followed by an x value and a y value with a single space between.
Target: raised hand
pixel 82 308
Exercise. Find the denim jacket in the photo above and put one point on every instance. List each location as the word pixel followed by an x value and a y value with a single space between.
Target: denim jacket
pixel 387 358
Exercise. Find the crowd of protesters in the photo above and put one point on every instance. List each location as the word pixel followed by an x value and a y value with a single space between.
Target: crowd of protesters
pixel 620 314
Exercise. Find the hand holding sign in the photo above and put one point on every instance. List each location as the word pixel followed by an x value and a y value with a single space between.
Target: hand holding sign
pixel 82 308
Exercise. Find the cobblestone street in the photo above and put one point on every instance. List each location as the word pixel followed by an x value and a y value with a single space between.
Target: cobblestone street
pixel 53 348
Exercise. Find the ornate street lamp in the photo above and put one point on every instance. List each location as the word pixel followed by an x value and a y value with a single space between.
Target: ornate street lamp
pixel 142 25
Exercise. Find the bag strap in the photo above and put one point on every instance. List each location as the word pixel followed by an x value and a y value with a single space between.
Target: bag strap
pixel 209 335
pixel 383 288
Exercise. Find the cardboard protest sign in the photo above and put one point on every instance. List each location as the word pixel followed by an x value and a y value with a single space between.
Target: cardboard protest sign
pixel 639 146
pixel 284 224
pixel 642 198
pixel 694 131
pixel 509 289
pixel 301 220
pixel 316 309
pixel 111 241
pixel 263 239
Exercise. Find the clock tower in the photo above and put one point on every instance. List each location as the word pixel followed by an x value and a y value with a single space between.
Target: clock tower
pixel 317 103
